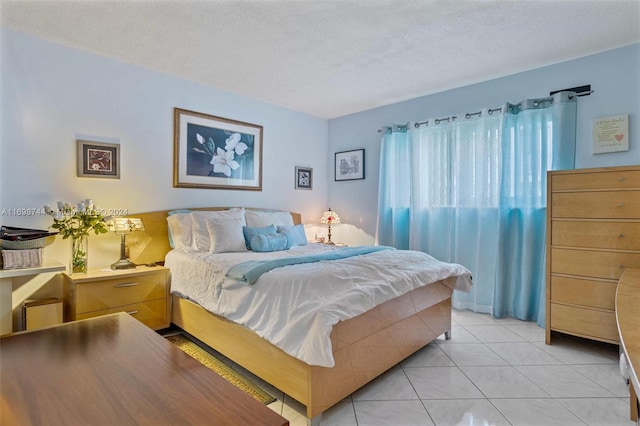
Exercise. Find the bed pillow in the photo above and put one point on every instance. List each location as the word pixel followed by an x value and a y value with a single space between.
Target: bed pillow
pixel 269 242
pixel 226 234
pixel 295 235
pixel 266 218
pixel 201 235
pixel 251 231
pixel 179 227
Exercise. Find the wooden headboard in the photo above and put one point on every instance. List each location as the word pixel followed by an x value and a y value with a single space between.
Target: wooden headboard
pixel 152 244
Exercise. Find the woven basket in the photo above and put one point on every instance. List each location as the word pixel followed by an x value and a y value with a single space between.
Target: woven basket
pixel 18 259
pixel 27 244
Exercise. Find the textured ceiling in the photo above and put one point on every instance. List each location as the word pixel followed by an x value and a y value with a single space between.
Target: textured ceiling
pixel 330 58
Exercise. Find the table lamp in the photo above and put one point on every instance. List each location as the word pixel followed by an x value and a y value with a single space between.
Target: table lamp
pixel 330 218
pixel 122 226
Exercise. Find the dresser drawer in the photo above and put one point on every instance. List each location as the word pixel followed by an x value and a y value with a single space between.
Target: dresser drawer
pixel 93 296
pixel 153 314
pixel 574 291
pixel 592 263
pixel 599 204
pixel 596 234
pixel 591 323
pixel 602 180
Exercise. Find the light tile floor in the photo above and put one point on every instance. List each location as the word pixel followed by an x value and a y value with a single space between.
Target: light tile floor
pixel 492 372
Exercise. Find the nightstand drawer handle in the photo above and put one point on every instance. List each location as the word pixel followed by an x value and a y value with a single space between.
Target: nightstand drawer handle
pixel 125 285
pixel 133 312
pixel 620 204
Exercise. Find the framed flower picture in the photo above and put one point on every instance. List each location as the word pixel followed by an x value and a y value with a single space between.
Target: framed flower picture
pixel 349 165
pixel 304 178
pixel 216 153
pixel 98 159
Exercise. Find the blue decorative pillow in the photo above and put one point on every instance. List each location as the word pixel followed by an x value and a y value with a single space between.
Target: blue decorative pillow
pixel 269 242
pixel 295 235
pixel 251 231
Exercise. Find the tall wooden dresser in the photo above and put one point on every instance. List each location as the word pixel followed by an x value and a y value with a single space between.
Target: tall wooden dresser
pixel 593 235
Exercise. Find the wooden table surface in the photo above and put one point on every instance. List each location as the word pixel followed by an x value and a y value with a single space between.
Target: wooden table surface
pixel 113 370
pixel 628 318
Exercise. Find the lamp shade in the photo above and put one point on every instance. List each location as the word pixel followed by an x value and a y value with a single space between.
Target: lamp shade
pixel 330 217
pixel 124 225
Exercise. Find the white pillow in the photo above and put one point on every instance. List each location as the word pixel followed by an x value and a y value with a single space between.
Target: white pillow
pixel 226 234
pixel 201 235
pixel 266 218
pixel 180 230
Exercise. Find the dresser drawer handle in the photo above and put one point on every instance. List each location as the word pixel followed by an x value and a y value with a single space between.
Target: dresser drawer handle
pixel 620 204
pixel 622 179
pixel 621 236
pixel 125 285
pixel 132 312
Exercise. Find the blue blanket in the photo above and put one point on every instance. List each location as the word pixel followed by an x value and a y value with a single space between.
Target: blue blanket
pixel 251 270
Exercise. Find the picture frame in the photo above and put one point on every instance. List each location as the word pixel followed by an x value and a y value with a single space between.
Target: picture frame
pixel 611 134
pixel 349 165
pixel 216 153
pixel 98 159
pixel 304 178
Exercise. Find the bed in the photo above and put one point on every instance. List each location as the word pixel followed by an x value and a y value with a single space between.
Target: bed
pixel 361 347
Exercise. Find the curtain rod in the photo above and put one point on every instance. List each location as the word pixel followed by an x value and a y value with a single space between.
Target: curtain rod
pixel 579 91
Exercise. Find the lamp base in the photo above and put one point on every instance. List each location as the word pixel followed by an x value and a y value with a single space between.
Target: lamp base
pixel 331 243
pixel 123 263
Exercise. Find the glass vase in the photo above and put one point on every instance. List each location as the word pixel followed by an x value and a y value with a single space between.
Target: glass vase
pixel 79 255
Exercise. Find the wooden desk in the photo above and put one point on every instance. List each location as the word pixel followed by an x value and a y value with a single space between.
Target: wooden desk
pixel 628 319
pixel 113 370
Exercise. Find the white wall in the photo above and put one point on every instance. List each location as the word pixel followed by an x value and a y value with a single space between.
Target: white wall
pixel 52 94
pixel 614 76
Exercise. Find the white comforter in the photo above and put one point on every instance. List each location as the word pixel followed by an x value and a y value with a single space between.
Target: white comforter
pixel 295 307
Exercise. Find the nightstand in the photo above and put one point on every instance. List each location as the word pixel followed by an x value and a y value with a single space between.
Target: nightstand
pixel 142 292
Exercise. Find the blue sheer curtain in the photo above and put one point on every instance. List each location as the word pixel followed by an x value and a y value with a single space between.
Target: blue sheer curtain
pixel 394 188
pixel 537 135
pixel 454 204
pixel 472 190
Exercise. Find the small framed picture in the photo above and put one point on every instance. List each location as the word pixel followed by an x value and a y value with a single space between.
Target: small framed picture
pixel 304 178
pixel 98 159
pixel 349 165
pixel 611 134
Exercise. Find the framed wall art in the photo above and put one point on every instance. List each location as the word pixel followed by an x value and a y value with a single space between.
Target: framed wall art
pixel 611 134
pixel 304 178
pixel 349 165
pixel 98 159
pixel 216 153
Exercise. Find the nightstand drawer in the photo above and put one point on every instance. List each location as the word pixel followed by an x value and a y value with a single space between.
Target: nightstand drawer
pixel 600 204
pixel 605 180
pixel 107 293
pixel 153 314
pixel 591 293
pixel 596 234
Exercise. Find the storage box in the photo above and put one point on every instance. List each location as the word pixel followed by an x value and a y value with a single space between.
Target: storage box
pixel 42 313
pixel 19 259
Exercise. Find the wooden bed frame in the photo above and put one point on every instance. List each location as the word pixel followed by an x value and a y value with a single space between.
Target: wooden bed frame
pixel 363 347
